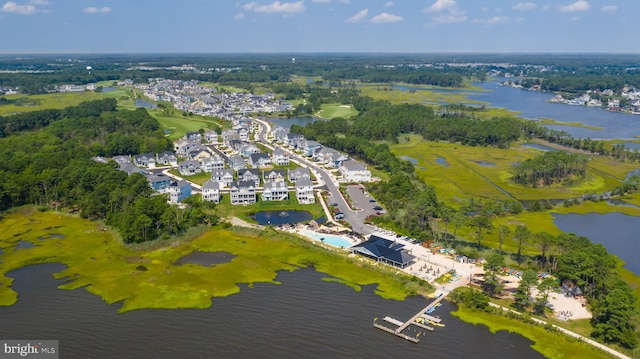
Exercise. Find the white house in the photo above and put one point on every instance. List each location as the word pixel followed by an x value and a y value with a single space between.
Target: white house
pixel 274 175
pixel 275 191
pixel 211 191
pixel 167 158
pixel 179 190
pixel 223 176
pixel 250 174
pixel 260 160
pixel 211 136
pixel 279 157
pixel 242 192
pixel 189 168
pixel 299 173
pixel 212 163
pixel 304 191
pixel 354 171
pixel 145 160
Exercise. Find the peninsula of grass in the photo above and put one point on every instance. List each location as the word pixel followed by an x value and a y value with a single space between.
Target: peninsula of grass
pixel 96 261
pixel 550 121
pixel 418 94
pixel 549 343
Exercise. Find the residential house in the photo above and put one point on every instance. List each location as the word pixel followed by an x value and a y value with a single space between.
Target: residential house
pixel 199 153
pixel 193 137
pixel 182 146
pixel 260 160
pixel 212 163
pixel 242 192
pixel 167 158
pixel 251 174
pixel 179 190
pixel 248 149
pixel 308 147
pixel 236 145
pixel 228 136
pixel 189 167
pixel 243 134
pixel 304 191
pixel 237 162
pixel 275 191
pixel 100 159
pixel 292 139
pixel 280 134
pixel 279 157
pixel 299 173
pixel 145 160
pixel 211 191
pixel 159 183
pixel 121 160
pixel 130 168
pixel 274 175
pixel 211 136
pixel 330 156
pixel 223 176
pixel 354 171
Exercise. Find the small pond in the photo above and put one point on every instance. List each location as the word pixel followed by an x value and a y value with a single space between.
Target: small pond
pixel 616 231
pixel 108 89
pixel 619 202
pixel 51 235
pixel 206 259
pixel 282 217
pixel 410 159
pixel 145 104
pixel 632 145
pixel 485 163
pixel 634 172
pixel 540 147
pixel 442 161
pixel 24 244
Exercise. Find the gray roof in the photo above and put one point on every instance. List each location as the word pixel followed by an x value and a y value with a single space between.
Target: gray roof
pixel 272 185
pixel 304 182
pixel 222 172
pixel 243 184
pixel 353 166
pixel 249 171
pixel 255 157
pixel 211 185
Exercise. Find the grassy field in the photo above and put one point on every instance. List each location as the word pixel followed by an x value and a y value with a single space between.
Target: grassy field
pixel 198 179
pixel 28 103
pixel 548 343
pixel 423 94
pixel 140 279
pixel 336 110
pixel 226 209
pixel 485 171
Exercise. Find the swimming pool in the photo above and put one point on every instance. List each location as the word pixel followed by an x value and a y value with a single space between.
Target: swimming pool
pixel 329 239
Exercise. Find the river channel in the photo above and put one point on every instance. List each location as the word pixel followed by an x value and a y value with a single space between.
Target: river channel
pixel 303 317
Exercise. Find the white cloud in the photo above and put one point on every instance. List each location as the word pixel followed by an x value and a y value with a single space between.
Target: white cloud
pixel 524 6
pixel 385 18
pixel 450 18
pixel 490 21
pixel 580 5
pixel 441 5
pixel 358 17
pixel 95 10
pixel 239 16
pixel 12 7
pixel 276 7
pixel 388 4
pixel 609 8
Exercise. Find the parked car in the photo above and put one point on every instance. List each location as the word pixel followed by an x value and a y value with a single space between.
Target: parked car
pixel 340 216
pixel 377 208
pixel 372 200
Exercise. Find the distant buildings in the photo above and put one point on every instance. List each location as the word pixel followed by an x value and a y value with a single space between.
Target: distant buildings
pixel 354 171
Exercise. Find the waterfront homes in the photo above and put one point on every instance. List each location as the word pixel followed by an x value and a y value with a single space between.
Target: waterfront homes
pixel 167 158
pixel 308 147
pixel 159 183
pixel 236 162
pixel 189 168
pixel 274 175
pixel 242 192
pixel 223 176
pixel 179 190
pixel 260 160
pixel 275 191
pixel 251 174
pixel 145 160
pixel 280 134
pixel 279 157
pixel 211 191
pixel 304 191
pixel 330 156
pixel 292 139
pixel 354 171
pixel 298 173
pixel 384 250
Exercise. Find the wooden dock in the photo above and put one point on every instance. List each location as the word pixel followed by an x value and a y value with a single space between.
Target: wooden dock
pixel 413 321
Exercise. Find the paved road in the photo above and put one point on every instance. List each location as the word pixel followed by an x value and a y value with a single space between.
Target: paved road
pixel 354 218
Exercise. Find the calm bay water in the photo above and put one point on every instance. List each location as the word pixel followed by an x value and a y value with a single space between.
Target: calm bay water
pixel 616 231
pixel 304 317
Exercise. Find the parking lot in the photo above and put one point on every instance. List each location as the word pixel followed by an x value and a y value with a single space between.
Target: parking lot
pixel 362 201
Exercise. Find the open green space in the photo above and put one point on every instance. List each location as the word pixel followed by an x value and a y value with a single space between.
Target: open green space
pixel 139 279
pixel 245 212
pixel 27 103
pixel 423 94
pixel 334 110
pixel 549 343
pixel 198 179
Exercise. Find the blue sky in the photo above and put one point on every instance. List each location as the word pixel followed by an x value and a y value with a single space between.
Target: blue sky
pixel 113 26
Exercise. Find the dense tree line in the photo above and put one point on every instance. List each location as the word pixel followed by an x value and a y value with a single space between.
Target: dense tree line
pixel 550 168
pixel 51 166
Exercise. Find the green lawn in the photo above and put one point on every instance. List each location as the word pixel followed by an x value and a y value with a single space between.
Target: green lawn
pixel 198 179
pixel 27 103
pixel 226 209
pixel 336 110
pixel 142 279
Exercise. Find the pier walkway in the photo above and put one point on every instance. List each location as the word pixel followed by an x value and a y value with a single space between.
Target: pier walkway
pixel 413 321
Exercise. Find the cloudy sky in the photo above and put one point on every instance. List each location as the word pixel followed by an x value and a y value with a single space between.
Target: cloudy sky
pixel 112 26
